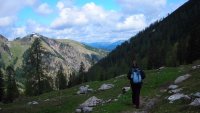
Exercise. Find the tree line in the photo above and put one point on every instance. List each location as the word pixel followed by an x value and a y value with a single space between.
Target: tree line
pixel 171 41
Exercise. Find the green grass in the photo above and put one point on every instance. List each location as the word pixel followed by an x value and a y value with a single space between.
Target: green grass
pixel 66 101
pixel 192 85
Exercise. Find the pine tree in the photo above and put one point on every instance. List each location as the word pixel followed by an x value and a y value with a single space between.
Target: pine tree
pixel 61 82
pixel 33 69
pixel 1 86
pixel 81 73
pixel 12 91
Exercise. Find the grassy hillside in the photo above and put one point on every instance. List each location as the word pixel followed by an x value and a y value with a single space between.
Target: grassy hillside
pixel 66 101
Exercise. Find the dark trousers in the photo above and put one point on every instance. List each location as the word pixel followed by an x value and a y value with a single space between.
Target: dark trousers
pixel 136 94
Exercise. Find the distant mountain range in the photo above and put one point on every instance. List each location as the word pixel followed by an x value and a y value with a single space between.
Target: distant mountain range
pixel 108 46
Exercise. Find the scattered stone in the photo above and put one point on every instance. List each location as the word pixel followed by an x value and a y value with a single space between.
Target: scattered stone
pixel 78 110
pixel 87 109
pixel 91 102
pixel 119 95
pixel 177 96
pixel 173 87
pixel 108 101
pixel 115 100
pixel 46 100
pixel 197 94
pixel 84 90
pixel 125 89
pixel 33 103
pixel 106 86
pixel 181 78
pixel 0 109
pixel 163 90
pixel 161 68
pixel 87 86
pixel 196 67
pixel 175 90
pixel 196 102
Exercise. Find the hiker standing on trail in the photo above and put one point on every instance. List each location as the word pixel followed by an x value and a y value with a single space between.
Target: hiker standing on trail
pixel 136 75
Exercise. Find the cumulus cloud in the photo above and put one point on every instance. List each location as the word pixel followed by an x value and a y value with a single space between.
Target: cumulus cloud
pixel 6 21
pixel 136 22
pixel 44 9
pixel 11 7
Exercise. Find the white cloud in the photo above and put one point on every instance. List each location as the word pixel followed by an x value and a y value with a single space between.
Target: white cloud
pixel 11 7
pixel 136 22
pixel 19 31
pixel 44 9
pixel 6 21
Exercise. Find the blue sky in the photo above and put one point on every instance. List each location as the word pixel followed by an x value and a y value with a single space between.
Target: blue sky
pixel 82 20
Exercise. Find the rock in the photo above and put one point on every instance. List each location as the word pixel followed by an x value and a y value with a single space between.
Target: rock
pixel 196 67
pixel 125 89
pixel 173 87
pixel 177 96
pixel 181 78
pixel 163 90
pixel 0 109
pixel 78 110
pixel 108 101
pixel 87 109
pixel 196 102
pixel 119 95
pixel 160 68
pixel 106 86
pixel 91 102
pixel 175 90
pixel 46 100
pixel 197 94
pixel 84 90
pixel 90 90
pixel 115 100
pixel 87 86
pixel 33 103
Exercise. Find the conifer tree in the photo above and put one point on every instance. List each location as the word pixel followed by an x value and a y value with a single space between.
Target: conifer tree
pixel 61 82
pixel 12 91
pixel 81 73
pixel 33 69
pixel 1 86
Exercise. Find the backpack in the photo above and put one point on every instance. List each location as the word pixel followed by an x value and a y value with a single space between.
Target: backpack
pixel 136 76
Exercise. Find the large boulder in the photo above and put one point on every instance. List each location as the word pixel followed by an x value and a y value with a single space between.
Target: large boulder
pixel 181 78
pixel 106 86
pixel 177 96
pixel 91 102
pixel 196 102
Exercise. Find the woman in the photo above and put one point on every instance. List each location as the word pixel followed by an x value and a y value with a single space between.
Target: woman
pixel 136 86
